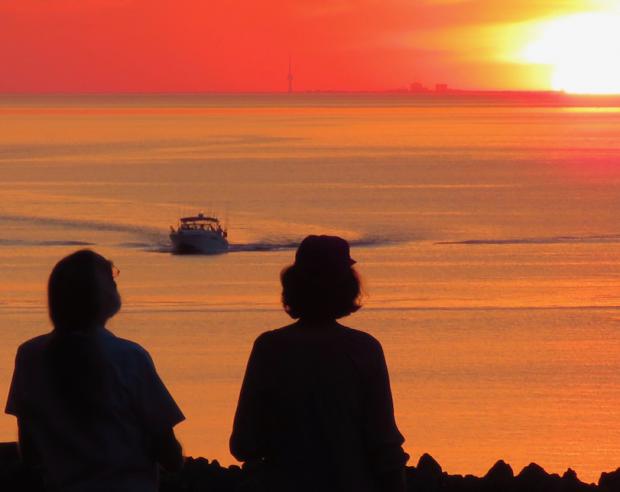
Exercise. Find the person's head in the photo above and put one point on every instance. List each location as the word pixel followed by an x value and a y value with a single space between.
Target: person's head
pixel 322 283
pixel 82 292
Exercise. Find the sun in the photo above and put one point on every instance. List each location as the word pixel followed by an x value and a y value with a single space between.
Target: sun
pixel 583 51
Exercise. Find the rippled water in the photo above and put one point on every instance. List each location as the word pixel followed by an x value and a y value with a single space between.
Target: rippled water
pixel 487 234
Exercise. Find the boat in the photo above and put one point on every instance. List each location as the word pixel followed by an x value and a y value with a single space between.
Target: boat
pixel 199 234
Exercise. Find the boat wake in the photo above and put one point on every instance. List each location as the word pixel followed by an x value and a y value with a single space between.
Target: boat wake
pixel 607 238
pixel 363 242
pixel 262 245
pixel 31 242
pixel 151 239
pixel 90 225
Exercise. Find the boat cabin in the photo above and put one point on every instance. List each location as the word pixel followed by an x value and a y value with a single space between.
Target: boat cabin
pixel 201 222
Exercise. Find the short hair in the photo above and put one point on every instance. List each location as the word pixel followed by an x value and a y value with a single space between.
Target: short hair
pixel 323 294
pixel 81 292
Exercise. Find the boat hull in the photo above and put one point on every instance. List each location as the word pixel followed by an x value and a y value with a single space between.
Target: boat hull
pixel 201 243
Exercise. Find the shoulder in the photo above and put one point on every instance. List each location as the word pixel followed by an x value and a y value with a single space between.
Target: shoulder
pixel 361 338
pixel 33 346
pixel 126 350
pixel 273 338
pixel 268 337
pixel 278 333
pixel 292 333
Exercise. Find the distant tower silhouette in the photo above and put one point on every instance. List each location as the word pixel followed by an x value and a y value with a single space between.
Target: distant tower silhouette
pixel 290 76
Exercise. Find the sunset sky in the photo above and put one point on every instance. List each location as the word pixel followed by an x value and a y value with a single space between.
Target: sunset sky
pixel 244 45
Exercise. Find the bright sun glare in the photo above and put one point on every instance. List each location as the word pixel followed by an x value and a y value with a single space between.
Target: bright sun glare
pixel 583 51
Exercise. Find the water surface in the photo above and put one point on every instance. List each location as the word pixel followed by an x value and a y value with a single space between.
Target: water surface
pixel 487 235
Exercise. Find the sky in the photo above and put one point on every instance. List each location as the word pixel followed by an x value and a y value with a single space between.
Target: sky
pixel 244 45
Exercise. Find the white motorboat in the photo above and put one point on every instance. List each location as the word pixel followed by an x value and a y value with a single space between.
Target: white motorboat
pixel 199 234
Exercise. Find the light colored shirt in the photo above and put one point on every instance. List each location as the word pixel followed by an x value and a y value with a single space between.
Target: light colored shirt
pixel 113 452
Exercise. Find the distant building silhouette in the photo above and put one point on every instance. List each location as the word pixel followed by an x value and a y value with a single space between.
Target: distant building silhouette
pixel 417 87
pixel 290 76
pixel 441 88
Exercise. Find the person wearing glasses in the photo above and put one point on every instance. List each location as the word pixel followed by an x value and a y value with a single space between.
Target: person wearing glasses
pixel 92 413
pixel 315 411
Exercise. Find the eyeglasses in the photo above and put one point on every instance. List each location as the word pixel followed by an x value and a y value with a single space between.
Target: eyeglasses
pixel 115 271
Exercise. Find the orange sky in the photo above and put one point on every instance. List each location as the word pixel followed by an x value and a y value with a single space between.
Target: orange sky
pixel 243 45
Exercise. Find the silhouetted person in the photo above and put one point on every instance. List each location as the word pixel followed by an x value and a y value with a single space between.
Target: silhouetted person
pixel 93 415
pixel 315 411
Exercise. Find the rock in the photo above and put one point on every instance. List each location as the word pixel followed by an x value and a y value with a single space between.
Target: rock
pixel 610 482
pixel 571 483
pixel 201 475
pixel 460 483
pixel 428 466
pixel 499 477
pixel 427 476
pixel 533 478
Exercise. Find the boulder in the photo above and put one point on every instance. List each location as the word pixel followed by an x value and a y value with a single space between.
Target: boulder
pixel 610 482
pixel 499 477
pixel 426 477
pixel 533 478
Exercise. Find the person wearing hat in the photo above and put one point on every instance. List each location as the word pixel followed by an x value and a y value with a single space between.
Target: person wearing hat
pixel 315 411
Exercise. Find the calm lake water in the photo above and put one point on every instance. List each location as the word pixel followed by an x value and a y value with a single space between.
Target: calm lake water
pixel 487 235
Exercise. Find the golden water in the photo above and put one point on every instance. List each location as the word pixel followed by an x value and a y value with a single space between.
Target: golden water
pixel 488 238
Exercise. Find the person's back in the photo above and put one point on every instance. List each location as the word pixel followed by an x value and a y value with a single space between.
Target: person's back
pixel 93 414
pixel 110 447
pixel 321 386
pixel 316 407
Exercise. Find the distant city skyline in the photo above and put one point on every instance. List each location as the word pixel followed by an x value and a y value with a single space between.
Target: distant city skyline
pixel 97 45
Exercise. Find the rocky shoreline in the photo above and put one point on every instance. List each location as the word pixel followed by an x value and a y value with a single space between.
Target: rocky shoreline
pixel 202 475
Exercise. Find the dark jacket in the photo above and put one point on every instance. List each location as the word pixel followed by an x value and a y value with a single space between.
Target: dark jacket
pixel 316 408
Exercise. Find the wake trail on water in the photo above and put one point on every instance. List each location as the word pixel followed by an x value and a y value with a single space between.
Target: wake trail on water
pixel 91 225
pixel 361 242
pixel 153 239
pixel 588 239
pixel 32 242
pixel 149 237
pixel 269 245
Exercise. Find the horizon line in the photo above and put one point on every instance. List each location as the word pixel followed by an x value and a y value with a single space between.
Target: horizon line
pixel 397 90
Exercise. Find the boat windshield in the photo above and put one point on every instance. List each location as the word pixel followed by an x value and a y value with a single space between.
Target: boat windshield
pixel 201 226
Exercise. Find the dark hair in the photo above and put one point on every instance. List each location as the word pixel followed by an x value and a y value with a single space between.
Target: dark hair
pixel 81 292
pixel 320 294
pixel 82 296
